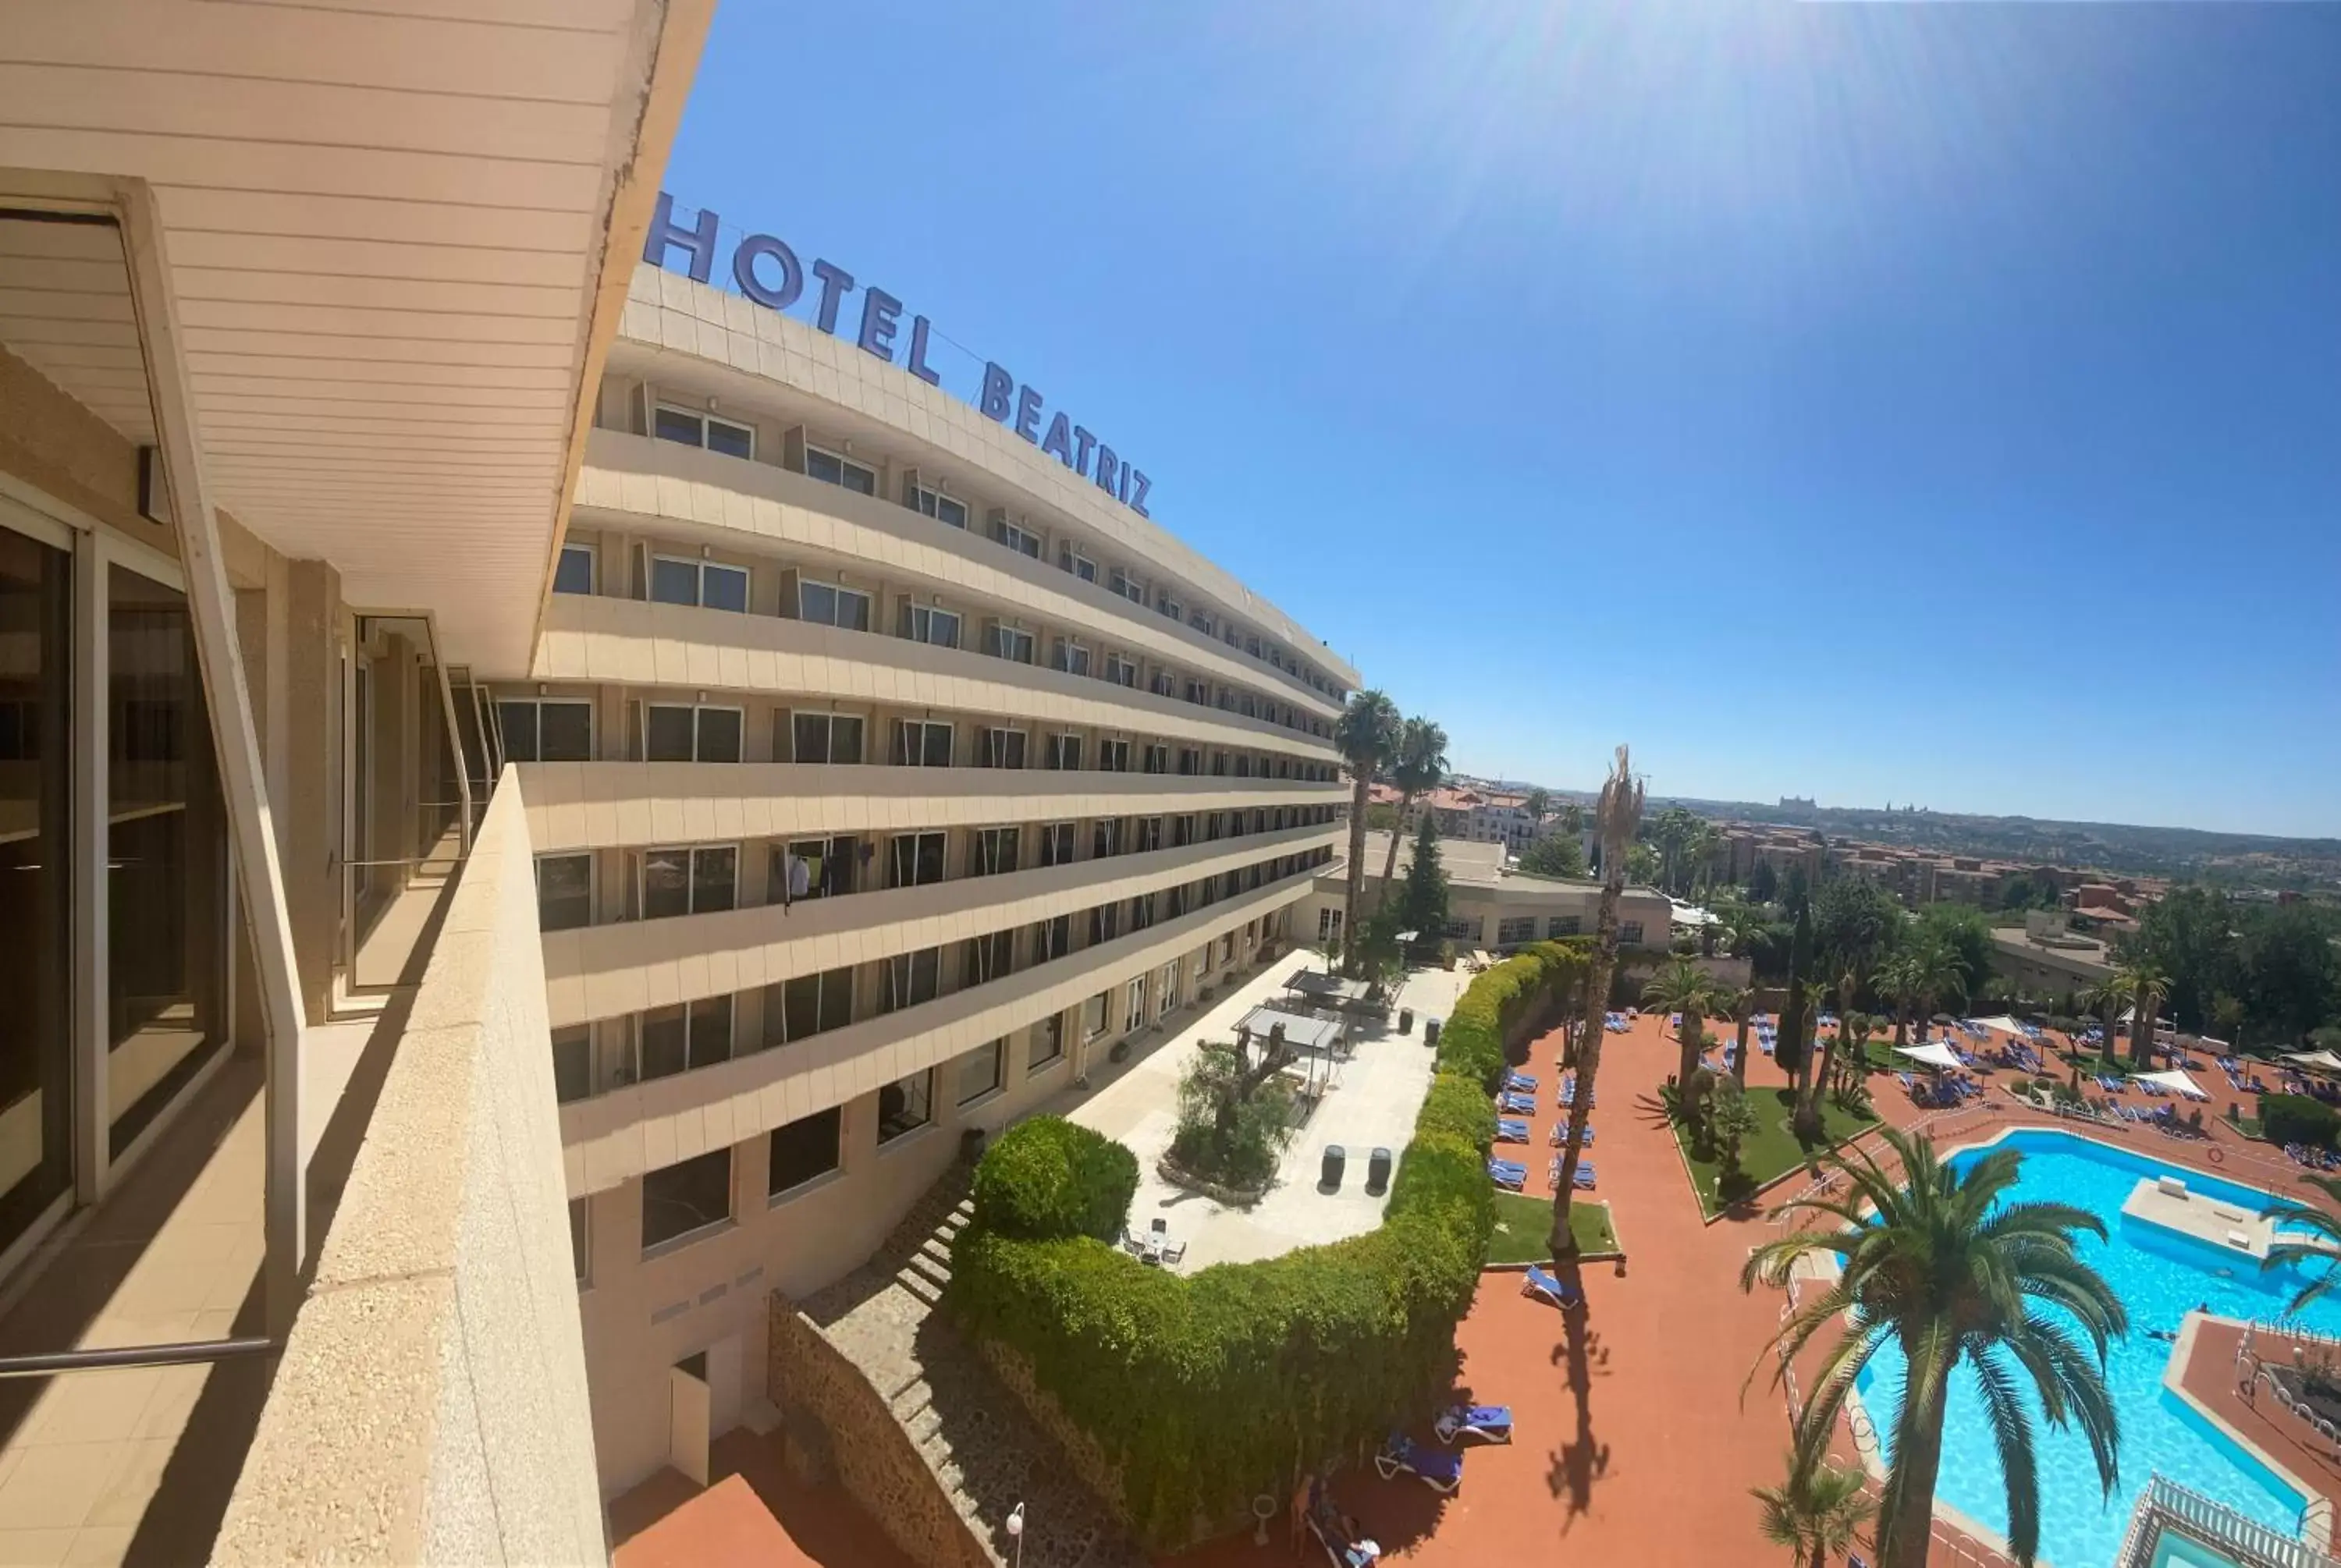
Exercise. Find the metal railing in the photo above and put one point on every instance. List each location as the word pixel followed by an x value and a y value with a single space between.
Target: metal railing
pixel 50 1363
pixel 2165 1505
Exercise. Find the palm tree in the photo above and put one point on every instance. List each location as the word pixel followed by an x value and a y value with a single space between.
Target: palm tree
pixel 1853 1061
pixel 2143 985
pixel 1682 986
pixel 1741 1005
pixel 1934 1262
pixel 1419 765
pixel 1816 1511
pixel 2316 1240
pixel 1809 1071
pixel 2103 999
pixel 1618 814
pixel 1366 735
pixel 1535 803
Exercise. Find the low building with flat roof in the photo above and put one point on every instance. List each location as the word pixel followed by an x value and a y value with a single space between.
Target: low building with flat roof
pixel 1489 904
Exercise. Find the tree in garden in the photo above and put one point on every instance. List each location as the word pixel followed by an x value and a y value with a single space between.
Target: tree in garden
pixel 1763 883
pixel 1616 815
pixel 1854 1029
pixel 1812 1059
pixel 1922 974
pixel 1419 766
pixel 1932 1261
pixel 2141 985
pixel 1796 1017
pixel 1857 923
pixel 1366 735
pixel 1422 898
pixel 1555 855
pixel 1683 988
pixel 1741 1005
pixel 1535 804
pixel 2290 975
pixel 1641 862
pixel 1730 1120
pixel 1961 928
pixel 1816 1512
pixel 2104 1001
pixel 1234 1114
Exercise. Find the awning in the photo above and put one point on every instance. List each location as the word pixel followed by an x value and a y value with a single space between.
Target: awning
pixel 1318 983
pixel 2323 1061
pixel 2004 1023
pixel 2175 1079
pixel 1933 1056
pixel 1302 1032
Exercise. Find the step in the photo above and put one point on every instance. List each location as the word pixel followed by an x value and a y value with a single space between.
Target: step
pixel 919 1286
pixel 938 1249
pixel 923 1424
pixel 934 1269
pixel 912 1397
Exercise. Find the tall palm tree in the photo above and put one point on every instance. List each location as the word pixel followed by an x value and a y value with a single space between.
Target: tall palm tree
pixel 1682 986
pixel 2315 1239
pixel 1618 814
pixel 1743 1006
pixel 1419 765
pixel 1367 736
pixel 1933 1261
pixel 1816 1511
pixel 1813 1059
pixel 2105 1000
pixel 2142 984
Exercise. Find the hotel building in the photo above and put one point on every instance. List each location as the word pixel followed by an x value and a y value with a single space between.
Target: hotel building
pixel 540 801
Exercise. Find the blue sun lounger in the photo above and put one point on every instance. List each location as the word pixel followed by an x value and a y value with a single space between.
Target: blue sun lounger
pixel 1511 1129
pixel 1551 1287
pixel 1584 1175
pixel 1506 1174
pixel 1561 1135
pixel 1474 1424
pixel 1435 1468
pixel 1521 1105
pixel 1524 1082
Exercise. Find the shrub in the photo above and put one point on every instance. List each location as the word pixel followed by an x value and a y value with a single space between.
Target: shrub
pixel 1046 1178
pixel 2299 1119
pixel 1203 1390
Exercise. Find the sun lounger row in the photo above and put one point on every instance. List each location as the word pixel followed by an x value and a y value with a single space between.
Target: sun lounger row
pixel 1509 1175
pixel 1582 1182
pixel 1511 1129
pixel 1515 1104
pixel 1561 1135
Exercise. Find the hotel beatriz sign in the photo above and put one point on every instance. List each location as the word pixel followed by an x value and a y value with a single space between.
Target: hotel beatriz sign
pixel 767 272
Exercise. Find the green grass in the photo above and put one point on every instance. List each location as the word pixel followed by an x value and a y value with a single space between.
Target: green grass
pixel 1524 1225
pixel 1772 1149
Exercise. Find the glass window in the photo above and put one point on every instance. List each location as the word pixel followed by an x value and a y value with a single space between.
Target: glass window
pixel 921 743
pixel 803 1149
pixel 813 868
pixel 912 978
pixel 1057 844
pixel 1563 925
pixel 1008 643
pixel 808 1005
pixel 825 738
pixel 677 1039
pixel 1513 931
pixel 923 623
pixel 573 1063
pixel 915 859
pixel 574 574
pixel 1022 540
pixel 1630 932
pixel 680 881
pixel 686 1198
pixel 1052 938
pixel 1048 1043
pixel 719 734
pixel 166 856
pixel 565 892
pixel 937 505
pixel 1065 752
pixel 670 733
pixel 730 440
pixel 35 886
pixel 828 604
pixel 546 731
pixel 673 424
pixel 1113 756
pixel 1000 748
pixel 1121 670
pixel 673 581
pixel 905 1106
pixel 981 1071
pixel 989 958
pixel 1069 657
pixel 1093 1015
pixel 831 469
pixel 993 851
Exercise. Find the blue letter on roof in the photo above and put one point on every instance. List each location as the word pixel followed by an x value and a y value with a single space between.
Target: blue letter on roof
pixel 699 241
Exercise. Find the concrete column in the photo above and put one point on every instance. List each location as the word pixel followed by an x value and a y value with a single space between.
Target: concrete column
pixel 309 810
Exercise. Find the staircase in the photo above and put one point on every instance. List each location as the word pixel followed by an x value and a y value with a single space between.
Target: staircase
pixel 981 1449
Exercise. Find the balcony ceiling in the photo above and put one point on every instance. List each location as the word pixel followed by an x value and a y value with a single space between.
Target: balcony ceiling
pixel 384 223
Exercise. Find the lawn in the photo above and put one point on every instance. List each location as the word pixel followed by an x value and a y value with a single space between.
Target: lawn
pixel 1524 1225
pixel 1772 1149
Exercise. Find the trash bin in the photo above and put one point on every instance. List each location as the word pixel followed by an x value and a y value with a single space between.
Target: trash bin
pixel 1430 1031
pixel 1406 1020
pixel 1336 1157
pixel 1378 1171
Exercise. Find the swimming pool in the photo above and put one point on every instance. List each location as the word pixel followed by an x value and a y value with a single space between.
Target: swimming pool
pixel 2161 1277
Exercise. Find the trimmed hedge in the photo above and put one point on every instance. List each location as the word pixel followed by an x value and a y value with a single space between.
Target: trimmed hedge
pixel 2299 1119
pixel 1047 1179
pixel 1205 1391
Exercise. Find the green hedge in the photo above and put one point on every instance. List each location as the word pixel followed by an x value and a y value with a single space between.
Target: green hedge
pixel 2299 1119
pixel 1046 1178
pixel 1205 1391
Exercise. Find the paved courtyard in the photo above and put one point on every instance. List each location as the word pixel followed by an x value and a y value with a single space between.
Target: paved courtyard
pixel 1376 1094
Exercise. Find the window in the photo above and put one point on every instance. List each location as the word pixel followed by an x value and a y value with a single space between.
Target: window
pixel 1199 692
pixel 1329 925
pixel 546 731
pixel 580 1237
pixel 1069 657
pixel 1064 752
pixel 803 1149
pixel 673 732
pixel 574 574
pixel 825 736
pixel 980 1072
pixel 993 851
pixel 1190 761
pixel 1133 1005
pixel 905 1106
pixel 1113 756
pixel 912 978
pixel 1121 670
pixel 1564 925
pixel 922 623
pixel 679 881
pixel 831 469
pixel 1080 565
pixel 999 748
pixel 1463 931
pixel 675 1039
pixel 1182 830
pixel 828 604
pixel 1008 643
pixel 1022 540
pixel 1056 843
pixel 1127 586
pixel 813 868
pixel 915 859
pixel 573 1063
pixel 694 429
pixel 1052 938
pixel 1093 1015
pixel 1048 1043
pixel 1105 923
pixel 1169 606
pixel 1515 930
pixel 809 1005
pixel 1106 838
pixel 687 1198
pixel 709 584
pixel 1202 621
pixel 1158 758
pixel 1630 932
pixel 1141 912
pixel 921 743
pixel 936 504
pixel 565 892
pixel 1146 835
pixel 989 958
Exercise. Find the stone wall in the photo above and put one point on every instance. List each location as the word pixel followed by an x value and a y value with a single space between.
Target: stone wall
pixel 873 1455
pixel 1097 1472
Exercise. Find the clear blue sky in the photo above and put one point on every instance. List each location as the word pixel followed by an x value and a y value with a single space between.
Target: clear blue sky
pixel 1871 402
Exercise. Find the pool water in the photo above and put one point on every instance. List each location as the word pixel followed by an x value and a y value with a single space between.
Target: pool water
pixel 2161 1277
pixel 2175 1551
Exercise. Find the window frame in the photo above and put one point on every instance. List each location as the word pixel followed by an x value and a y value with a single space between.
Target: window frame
pixel 962 1099
pixel 914 612
pixel 835 1114
pixel 592 559
pixel 691 853
pixel 838 593
pixel 928 502
pixel 695 710
pixel 845 464
pixel 829 742
pixel 678 1240
pixel 703 420
pixel 700 566
pixel 917 838
pixel 539 704
pixel 591 904
pixel 903 757
pixel 886 1138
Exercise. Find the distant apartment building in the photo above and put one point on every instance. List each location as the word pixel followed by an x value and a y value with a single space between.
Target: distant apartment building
pixel 2046 959
pixel 1469 814
pixel 1489 905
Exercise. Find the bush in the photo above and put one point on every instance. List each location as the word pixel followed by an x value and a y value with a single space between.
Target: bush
pixel 1046 1178
pixel 2299 1119
pixel 1205 1391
